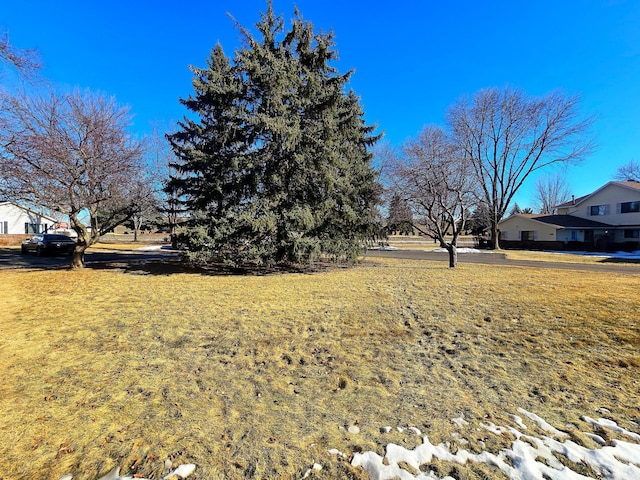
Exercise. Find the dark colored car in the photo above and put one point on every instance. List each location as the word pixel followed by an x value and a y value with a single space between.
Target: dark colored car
pixel 48 244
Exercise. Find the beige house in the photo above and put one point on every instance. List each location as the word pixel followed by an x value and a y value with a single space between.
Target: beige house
pixel 606 219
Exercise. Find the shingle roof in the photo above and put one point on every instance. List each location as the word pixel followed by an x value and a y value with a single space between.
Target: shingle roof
pixel 630 184
pixel 572 203
pixel 569 221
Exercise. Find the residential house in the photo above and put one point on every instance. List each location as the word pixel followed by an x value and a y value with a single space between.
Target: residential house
pixel 18 220
pixel 607 219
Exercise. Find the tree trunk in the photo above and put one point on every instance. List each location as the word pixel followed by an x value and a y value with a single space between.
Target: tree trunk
pixel 495 236
pixel 453 255
pixel 137 223
pixel 77 258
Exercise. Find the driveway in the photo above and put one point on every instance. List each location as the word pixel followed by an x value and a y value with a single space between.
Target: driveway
pixel 491 258
pixel 11 258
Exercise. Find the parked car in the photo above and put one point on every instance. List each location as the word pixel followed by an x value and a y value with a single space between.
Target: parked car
pixel 48 244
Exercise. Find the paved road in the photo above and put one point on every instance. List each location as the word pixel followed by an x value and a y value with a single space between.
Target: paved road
pixel 12 258
pixel 501 259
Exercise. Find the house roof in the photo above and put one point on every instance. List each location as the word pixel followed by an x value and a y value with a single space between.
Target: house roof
pixel 573 202
pixel 562 221
pixel 632 184
pixel 569 221
pixel 26 209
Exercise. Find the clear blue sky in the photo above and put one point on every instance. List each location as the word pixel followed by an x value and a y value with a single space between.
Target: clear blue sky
pixel 412 58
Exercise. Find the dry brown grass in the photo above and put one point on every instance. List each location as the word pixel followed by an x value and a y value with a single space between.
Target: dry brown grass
pixel 258 376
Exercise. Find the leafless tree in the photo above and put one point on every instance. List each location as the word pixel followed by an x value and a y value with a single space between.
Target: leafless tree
pixel 508 135
pixel 628 171
pixel 162 161
pixel 72 154
pixel 436 181
pixel 551 191
pixel 25 62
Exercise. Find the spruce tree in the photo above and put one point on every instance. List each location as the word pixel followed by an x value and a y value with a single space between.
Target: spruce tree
pixel 275 167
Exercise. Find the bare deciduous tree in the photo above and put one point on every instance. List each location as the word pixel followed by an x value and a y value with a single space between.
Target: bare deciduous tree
pixel 508 135
pixel 628 171
pixel 72 154
pixel 436 182
pixel 551 191
pixel 25 62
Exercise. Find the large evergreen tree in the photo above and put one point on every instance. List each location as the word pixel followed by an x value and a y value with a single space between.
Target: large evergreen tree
pixel 275 166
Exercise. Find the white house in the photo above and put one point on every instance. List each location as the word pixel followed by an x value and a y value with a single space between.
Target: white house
pixel 18 220
pixel 607 218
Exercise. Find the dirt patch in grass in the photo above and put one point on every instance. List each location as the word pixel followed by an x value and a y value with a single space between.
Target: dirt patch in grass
pixel 259 376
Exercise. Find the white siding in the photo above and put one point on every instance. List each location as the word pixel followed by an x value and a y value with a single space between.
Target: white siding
pixel 14 219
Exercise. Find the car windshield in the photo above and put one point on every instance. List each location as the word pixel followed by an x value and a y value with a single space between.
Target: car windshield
pixel 57 238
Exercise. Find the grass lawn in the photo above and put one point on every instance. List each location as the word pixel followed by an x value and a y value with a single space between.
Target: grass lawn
pixel 260 376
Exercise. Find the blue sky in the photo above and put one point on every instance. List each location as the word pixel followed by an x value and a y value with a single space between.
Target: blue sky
pixel 412 58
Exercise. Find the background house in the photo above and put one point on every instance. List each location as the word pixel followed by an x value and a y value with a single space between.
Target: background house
pixel 607 219
pixel 18 220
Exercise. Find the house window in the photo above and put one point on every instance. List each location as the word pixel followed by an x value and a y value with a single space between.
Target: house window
pixel 574 235
pixel 4 227
pixel 632 233
pixel 31 228
pixel 527 235
pixel 599 210
pixel 630 207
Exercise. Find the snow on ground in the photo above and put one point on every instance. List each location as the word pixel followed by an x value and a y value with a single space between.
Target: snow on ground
pixel 622 255
pixel 529 458
pixel 460 250
pixel 153 248
pixel 183 471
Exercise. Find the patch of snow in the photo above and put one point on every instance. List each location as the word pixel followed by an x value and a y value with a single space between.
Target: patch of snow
pixel 459 250
pixel 183 471
pixel 542 424
pixel 528 458
pixel 335 451
pixel 460 421
pixel 518 421
pixel 316 467
pixel 611 425
pixel 151 248
pixel 620 255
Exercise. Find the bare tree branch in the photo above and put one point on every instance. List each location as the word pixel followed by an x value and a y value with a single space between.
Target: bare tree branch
pixel 551 191
pixel 507 136
pixel 25 62
pixel 628 171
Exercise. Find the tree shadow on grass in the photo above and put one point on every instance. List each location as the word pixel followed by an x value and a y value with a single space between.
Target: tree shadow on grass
pixel 167 267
